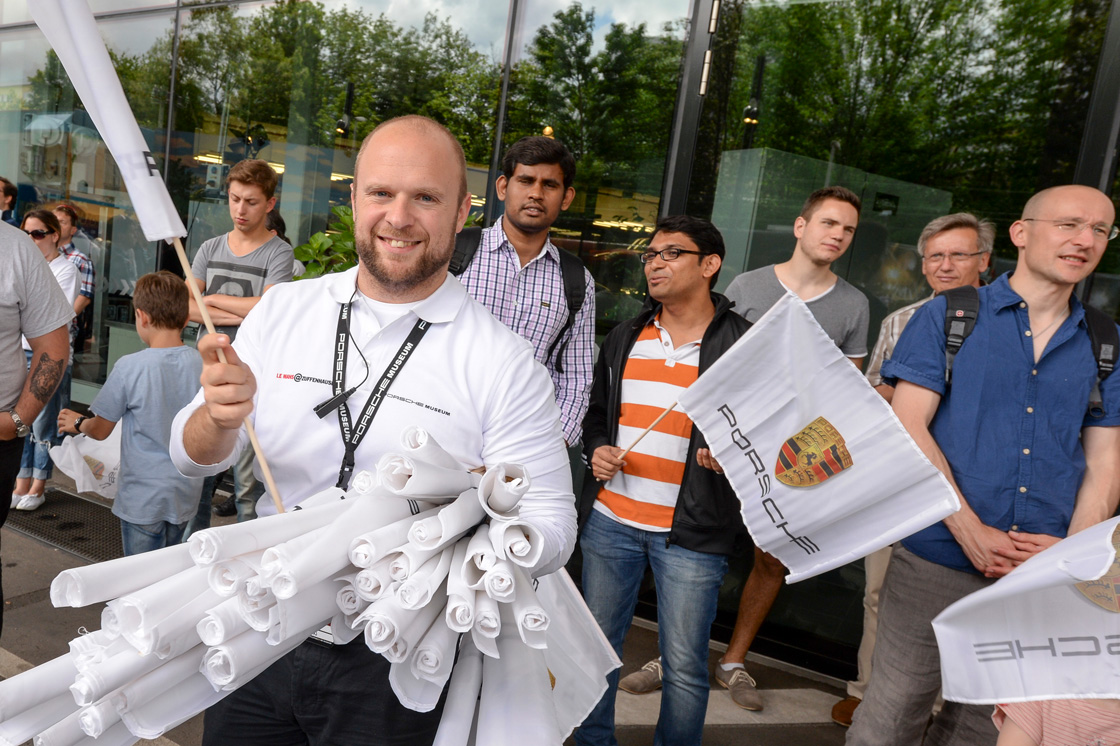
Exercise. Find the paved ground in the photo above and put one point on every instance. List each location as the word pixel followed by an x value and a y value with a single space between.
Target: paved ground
pixel 797 703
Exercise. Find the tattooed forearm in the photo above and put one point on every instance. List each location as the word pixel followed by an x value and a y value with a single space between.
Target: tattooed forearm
pixel 45 377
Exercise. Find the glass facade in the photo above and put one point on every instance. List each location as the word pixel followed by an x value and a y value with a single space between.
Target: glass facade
pixel 733 110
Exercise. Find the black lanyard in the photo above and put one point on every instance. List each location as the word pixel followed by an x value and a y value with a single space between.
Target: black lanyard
pixel 352 434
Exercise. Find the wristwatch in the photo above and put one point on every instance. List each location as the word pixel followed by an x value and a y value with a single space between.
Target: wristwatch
pixel 22 430
pixel 78 422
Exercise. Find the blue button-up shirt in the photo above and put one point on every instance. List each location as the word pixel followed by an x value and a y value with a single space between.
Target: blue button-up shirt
pixel 1009 427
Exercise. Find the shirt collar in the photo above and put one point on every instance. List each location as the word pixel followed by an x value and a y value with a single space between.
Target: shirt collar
pixel 501 241
pixel 1003 296
pixel 439 307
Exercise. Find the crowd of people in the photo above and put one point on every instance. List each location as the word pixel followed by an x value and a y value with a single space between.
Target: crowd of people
pixel 502 366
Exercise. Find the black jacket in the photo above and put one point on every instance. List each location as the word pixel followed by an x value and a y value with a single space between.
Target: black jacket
pixel 707 517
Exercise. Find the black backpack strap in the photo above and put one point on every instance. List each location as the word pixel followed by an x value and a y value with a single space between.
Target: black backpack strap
pixel 466 244
pixel 961 307
pixel 1106 343
pixel 575 288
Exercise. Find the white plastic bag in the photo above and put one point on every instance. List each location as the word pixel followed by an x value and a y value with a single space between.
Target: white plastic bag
pixel 94 465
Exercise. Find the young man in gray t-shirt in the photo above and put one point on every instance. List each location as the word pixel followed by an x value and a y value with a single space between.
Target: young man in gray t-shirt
pixel 233 271
pixel 824 231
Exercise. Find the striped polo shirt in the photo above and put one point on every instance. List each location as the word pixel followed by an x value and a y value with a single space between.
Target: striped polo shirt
pixel 644 493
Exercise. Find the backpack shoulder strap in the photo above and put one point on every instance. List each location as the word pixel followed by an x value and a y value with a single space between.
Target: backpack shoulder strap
pixel 571 272
pixel 466 244
pixel 1106 343
pixel 961 308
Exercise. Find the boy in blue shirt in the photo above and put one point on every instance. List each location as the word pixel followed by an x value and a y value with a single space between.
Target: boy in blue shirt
pixel 144 391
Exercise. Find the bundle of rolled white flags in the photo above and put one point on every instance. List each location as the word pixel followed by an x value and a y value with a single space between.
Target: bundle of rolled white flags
pixel 425 560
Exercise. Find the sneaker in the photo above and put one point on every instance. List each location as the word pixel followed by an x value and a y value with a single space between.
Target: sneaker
pixel 15 500
pixel 31 501
pixel 225 509
pixel 843 711
pixel 743 690
pixel 643 681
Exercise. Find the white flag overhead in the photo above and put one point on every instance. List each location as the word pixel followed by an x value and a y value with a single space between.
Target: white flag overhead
pixel 71 30
pixel 825 471
pixel 1048 630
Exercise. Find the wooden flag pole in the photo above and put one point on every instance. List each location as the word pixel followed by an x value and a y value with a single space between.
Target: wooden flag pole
pixel 265 470
pixel 645 432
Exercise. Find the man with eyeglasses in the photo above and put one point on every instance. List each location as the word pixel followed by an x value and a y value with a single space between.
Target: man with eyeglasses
pixel 955 251
pixel 1013 434
pixel 824 231
pixel 665 504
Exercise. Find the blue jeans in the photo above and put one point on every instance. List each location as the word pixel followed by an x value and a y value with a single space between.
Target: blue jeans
pixel 615 557
pixel 138 538
pixel 36 462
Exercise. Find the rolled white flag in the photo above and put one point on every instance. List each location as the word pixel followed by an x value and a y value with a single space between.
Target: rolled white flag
pixel 532 619
pixel 65 732
pixel 411 635
pixel 328 553
pixel 461 707
pixel 154 718
pixel 434 656
pixel 480 557
pixel 407 560
pixel 449 523
pixel 221 623
pixel 421 446
pixel 34 686
pixel 97 583
pixel 110 622
pixel 419 588
pixel 419 693
pixel 498 581
pixel 517 696
pixel 229 664
pixel 460 598
pixel 253 603
pixel 117 735
pixel 313 607
pixel 139 612
pixel 277 558
pixel 518 541
pixel 347 598
pixel 405 476
pixel 166 678
pixel 371 546
pixel 487 623
pixel 94 647
pixel 223 542
pixel 228 576
pixel 501 489
pixel 391 630
pixel 111 674
pixel 178 631
pixel 23 725
pixel 98 717
pixel 374 582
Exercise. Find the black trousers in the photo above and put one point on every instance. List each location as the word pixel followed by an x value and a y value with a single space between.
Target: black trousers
pixel 326 696
pixel 10 453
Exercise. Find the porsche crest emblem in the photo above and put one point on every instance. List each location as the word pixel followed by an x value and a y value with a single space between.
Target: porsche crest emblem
pixel 812 456
pixel 1105 590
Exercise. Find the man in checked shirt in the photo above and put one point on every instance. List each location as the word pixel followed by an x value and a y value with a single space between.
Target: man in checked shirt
pixel 516 274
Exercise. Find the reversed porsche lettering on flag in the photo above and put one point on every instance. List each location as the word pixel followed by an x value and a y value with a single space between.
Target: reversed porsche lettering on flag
pixel 812 456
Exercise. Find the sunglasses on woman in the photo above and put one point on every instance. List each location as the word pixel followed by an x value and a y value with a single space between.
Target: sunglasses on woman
pixel 38 234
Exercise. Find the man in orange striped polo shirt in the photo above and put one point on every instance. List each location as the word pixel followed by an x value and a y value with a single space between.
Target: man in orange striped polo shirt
pixel 665 504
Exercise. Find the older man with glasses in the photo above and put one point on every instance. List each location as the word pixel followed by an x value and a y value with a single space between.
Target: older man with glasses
pixel 956 250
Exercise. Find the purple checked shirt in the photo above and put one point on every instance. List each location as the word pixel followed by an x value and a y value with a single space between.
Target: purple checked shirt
pixel 530 300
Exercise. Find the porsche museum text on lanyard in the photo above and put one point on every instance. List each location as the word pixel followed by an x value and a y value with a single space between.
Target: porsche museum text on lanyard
pixel 352 434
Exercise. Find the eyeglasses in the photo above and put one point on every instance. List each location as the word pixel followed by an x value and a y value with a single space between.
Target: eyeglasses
pixel 37 234
pixel 956 257
pixel 1075 227
pixel 668 255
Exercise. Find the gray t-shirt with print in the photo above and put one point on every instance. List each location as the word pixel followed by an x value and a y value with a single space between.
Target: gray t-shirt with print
pixel 225 273
pixel 143 393
pixel 31 304
pixel 841 311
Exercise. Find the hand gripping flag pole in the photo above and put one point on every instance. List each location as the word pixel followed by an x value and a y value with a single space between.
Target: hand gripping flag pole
pixel 646 432
pixel 71 30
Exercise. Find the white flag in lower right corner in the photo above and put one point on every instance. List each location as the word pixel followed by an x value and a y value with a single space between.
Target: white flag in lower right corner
pixel 1048 630
pixel 825 472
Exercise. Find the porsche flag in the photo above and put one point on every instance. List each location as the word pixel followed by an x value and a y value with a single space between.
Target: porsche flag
pixel 1048 630
pixel 825 472
pixel 71 30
